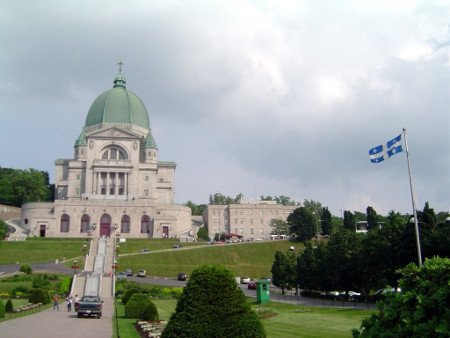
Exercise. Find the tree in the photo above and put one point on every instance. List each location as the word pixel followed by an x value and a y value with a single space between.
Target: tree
pixel 349 220
pixel 313 206
pixel 26 269
pixel 279 227
pixel 21 186
pixel 302 224
pixel 340 259
pixel 283 270
pixel 326 221
pixel 372 218
pixel 212 305
pixel 3 229
pixel 203 233
pixel 218 198
pixel 419 310
pixel 196 209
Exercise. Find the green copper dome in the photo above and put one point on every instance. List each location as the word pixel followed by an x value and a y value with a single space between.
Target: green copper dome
pixel 118 105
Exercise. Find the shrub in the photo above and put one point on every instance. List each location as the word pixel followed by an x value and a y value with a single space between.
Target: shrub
pixel 39 282
pixel 20 291
pixel 2 309
pixel 39 296
pixel 4 295
pixel 139 306
pixel 9 308
pixel 212 305
pixel 64 286
pixel 128 293
pixel 26 269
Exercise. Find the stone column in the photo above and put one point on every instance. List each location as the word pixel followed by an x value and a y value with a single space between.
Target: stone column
pixel 107 183
pixel 116 186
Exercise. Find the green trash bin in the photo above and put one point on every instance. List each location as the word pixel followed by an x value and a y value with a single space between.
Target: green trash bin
pixel 263 291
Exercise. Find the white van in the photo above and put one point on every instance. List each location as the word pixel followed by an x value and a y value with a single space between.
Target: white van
pixel 142 273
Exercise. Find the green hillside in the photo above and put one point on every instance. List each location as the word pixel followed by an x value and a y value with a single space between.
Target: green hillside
pixel 246 259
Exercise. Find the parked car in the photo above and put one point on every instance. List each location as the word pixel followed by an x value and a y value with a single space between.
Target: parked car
pixel 351 295
pixel 121 275
pixel 129 272
pixel 176 246
pixel 142 273
pixel 251 286
pixel 182 276
pixel 245 280
pixel 145 250
pixel 90 306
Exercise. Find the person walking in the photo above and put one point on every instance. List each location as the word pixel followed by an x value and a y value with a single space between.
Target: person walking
pixel 56 299
pixel 69 303
pixel 76 302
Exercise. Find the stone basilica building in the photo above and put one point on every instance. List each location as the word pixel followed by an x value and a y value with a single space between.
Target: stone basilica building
pixel 114 185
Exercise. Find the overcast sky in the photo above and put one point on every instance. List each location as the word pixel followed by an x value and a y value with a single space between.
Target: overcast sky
pixel 253 97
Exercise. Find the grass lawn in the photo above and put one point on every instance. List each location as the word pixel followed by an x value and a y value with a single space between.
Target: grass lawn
pixel 37 250
pixel 247 259
pixel 287 320
pixel 20 302
pixel 282 320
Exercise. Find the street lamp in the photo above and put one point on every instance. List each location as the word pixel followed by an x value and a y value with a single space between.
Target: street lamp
pixel 74 266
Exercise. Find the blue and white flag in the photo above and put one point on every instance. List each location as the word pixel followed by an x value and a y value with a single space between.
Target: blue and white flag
pixel 382 152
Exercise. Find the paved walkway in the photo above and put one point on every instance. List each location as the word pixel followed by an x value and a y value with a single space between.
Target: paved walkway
pixel 49 324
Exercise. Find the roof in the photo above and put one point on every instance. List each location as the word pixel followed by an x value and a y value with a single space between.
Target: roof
pixel 118 105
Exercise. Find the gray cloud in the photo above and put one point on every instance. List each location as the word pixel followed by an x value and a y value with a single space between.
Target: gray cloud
pixel 259 98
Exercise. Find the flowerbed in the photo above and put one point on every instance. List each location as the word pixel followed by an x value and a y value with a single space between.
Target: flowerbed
pixel 150 329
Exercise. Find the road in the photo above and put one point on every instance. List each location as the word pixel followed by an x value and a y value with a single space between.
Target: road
pixel 275 294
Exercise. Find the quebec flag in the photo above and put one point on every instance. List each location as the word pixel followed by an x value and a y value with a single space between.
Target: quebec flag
pixel 382 152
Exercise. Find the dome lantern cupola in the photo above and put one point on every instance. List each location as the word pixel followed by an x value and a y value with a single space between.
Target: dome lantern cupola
pixel 119 81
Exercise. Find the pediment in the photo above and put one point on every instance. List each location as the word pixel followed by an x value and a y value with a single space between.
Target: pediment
pixel 114 133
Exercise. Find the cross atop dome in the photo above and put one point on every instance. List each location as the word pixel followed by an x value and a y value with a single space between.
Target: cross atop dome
pixel 119 81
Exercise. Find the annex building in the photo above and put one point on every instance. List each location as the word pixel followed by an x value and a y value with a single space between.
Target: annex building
pixel 250 220
pixel 114 185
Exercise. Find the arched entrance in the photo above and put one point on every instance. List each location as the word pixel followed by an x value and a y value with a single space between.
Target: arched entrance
pixel 105 225
pixel 42 228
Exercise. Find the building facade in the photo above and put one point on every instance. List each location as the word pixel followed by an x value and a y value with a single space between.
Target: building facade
pixel 114 185
pixel 250 219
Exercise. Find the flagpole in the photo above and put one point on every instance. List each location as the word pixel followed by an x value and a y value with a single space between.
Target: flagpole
pixel 416 222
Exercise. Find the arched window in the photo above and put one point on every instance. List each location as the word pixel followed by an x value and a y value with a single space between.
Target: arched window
pixel 65 223
pixel 125 224
pixel 145 224
pixel 85 221
pixel 114 153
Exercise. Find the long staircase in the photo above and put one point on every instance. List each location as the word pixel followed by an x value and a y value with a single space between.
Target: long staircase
pixel 97 278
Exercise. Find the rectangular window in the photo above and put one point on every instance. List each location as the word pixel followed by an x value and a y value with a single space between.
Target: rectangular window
pixel 146 178
pixel 103 190
pixel 251 231
pixel 78 176
pixel 146 192
pixel 235 220
pixel 241 231
pixel 111 191
pixel 261 230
